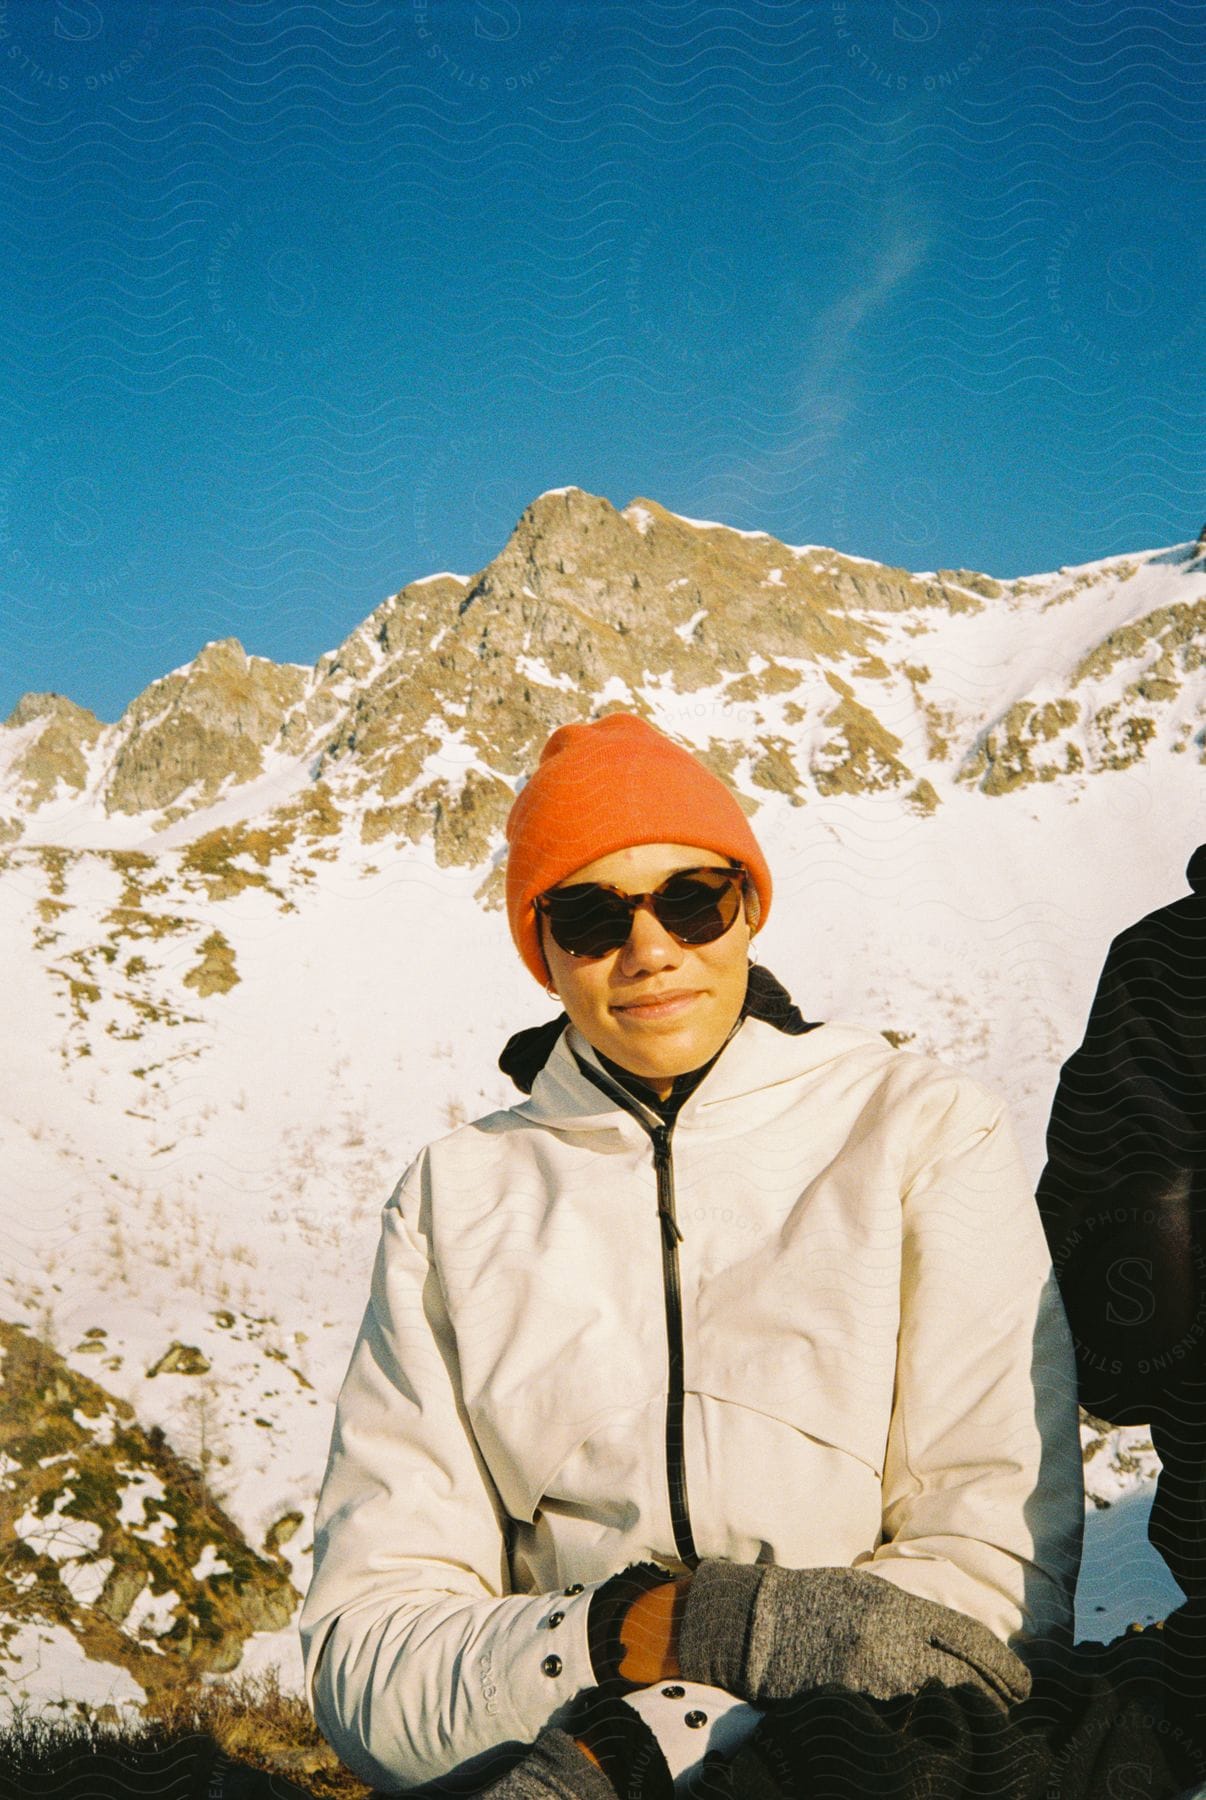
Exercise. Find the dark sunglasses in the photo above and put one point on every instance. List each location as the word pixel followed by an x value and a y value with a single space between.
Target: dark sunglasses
pixel 696 906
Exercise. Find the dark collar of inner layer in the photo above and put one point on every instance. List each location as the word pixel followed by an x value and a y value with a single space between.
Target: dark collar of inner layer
pixel 766 998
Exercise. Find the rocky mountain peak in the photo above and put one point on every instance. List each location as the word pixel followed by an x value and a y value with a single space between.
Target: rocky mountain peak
pixel 47 706
pixel 57 754
pixel 569 544
pixel 804 662
pixel 201 726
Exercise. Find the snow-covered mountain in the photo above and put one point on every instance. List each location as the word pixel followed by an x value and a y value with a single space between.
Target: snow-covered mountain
pixel 257 958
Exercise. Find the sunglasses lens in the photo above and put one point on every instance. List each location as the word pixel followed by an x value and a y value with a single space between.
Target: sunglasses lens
pixel 696 906
pixel 699 907
pixel 587 920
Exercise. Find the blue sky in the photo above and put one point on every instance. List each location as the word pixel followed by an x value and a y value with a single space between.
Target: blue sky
pixel 299 302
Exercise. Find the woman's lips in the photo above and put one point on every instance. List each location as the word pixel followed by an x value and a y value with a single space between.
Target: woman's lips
pixel 658 1009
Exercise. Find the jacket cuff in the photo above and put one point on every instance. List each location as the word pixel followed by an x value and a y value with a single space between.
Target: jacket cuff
pixel 717 1620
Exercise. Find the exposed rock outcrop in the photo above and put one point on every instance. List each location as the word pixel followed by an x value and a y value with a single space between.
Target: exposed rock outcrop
pixel 107 1532
pixel 201 727
pixel 58 752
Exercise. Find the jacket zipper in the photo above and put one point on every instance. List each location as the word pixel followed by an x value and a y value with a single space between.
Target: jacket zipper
pixel 672 1237
pixel 676 1464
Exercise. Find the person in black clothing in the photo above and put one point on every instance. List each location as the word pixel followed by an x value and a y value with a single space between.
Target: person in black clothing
pixel 1123 1202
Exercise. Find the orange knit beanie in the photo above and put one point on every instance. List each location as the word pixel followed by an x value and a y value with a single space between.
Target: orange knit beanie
pixel 604 787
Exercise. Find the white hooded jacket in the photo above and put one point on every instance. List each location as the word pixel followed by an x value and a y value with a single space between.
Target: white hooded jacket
pixel 875 1372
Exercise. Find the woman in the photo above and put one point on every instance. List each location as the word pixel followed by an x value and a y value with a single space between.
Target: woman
pixel 725 1366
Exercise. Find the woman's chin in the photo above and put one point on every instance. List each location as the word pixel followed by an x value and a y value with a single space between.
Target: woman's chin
pixel 660 1050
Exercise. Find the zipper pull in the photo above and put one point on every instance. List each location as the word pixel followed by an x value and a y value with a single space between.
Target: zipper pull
pixel 661 1155
pixel 670 1230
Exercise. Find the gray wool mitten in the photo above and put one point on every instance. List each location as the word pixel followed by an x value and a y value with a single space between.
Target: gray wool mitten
pixel 632 1765
pixel 766 1633
pixel 553 1769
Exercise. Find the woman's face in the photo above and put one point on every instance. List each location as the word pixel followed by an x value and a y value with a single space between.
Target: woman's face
pixel 655 1006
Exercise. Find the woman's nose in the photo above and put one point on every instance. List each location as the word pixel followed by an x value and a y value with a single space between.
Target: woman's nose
pixel 649 945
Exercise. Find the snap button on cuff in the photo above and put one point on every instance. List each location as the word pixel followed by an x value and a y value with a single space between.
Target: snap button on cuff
pixel 551 1665
pixel 673 1693
pixel 696 1719
pixel 575 1587
pixel 554 1619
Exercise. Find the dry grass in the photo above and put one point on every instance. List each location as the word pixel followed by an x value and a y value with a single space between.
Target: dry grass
pixel 185 1742
pixel 253 1721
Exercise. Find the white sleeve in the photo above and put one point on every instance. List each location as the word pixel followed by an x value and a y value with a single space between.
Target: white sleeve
pixel 983 1489
pixel 417 1656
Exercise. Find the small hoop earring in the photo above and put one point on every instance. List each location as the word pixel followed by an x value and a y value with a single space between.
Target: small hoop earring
pixel 552 992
